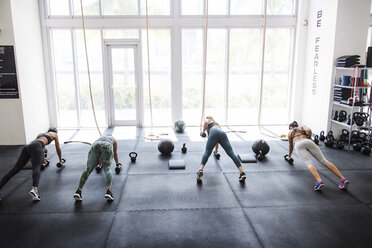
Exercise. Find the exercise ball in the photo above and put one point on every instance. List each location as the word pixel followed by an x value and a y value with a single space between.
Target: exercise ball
pixel 179 126
pixel 165 146
pixel 260 148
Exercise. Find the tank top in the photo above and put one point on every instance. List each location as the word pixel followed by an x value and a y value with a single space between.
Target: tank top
pixel 210 125
pixel 107 139
pixel 46 136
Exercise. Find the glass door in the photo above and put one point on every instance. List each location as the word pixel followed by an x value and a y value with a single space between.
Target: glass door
pixel 123 79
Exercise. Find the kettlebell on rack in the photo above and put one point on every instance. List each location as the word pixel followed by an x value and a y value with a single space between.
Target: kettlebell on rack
pixel 330 139
pixel 335 116
pixel 344 135
pixel 349 120
pixel 340 144
pixel 342 116
pixel 321 136
pixel 316 139
pixel 366 149
pixel 357 146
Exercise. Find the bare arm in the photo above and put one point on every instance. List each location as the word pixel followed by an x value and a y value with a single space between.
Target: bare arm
pixel 308 131
pixel 290 144
pixel 216 149
pixel 44 161
pixel 116 152
pixel 58 149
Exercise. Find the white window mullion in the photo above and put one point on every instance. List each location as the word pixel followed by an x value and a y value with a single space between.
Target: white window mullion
pixel 227 76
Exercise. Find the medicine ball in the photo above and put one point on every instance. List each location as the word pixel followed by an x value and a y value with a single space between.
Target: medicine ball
pixel 179 126
pixel 165 146
pixel 260 148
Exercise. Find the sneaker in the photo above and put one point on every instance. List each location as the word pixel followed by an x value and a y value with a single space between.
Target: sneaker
pixel 109 196
pixel 34 193
pixel 318 186
pixel 78 196
pixel 199 176
pixel 344 184
pixel 242 177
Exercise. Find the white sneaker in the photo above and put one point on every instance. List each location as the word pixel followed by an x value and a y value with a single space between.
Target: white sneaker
pixel 34 193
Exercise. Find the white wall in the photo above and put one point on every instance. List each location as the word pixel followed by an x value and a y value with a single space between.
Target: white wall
pixel 342 30
pixel 12 130
pixel 22 119
pixel 31 74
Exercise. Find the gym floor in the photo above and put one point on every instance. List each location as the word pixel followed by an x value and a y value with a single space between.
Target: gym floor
pixel 158 207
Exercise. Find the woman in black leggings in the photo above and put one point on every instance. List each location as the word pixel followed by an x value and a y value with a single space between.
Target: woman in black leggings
pixel 34 151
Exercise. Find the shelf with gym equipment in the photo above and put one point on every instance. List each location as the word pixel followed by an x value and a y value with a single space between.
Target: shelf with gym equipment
pixel 351 109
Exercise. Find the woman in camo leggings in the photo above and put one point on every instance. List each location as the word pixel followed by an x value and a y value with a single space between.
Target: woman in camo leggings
pixel 101 152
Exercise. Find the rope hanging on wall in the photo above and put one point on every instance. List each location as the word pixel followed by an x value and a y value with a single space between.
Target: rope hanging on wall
pixel 282 136
pixel 88 68
pixel 205 63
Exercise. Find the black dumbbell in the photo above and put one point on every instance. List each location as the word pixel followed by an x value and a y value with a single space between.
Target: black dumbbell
pixel 59 164
pixel 203 134
pixel 98 168
pixel 184 148
pixel 45 165
pixel 118 168
pixel 45 152
pixel 288 159
pixel 133 156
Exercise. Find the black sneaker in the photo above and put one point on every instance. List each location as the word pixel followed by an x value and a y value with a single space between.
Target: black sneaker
pixel 242 177
pixel 199 176
pixel 78 196
pixel 109 196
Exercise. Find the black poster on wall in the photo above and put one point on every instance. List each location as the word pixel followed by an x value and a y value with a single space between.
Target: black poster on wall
pixel 8 74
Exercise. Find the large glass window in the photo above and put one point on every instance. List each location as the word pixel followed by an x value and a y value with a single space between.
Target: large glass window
pixel 192 74
pixel 177 49
pixel 244 75
pixel 59 7
pixel 244 7
pixel 276 76
pixel 90 7
pixel 192 7
pixel 156 7
pixel 120 7
pixel 160 68
pixel 64 77
pixel 95 66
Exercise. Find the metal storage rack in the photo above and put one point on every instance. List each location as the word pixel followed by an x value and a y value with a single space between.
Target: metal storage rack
pixel 351 109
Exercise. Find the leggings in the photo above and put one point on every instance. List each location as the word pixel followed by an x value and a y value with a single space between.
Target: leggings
pixel 218 136
pixel 306 147
pixel 33 151
pixel 103 150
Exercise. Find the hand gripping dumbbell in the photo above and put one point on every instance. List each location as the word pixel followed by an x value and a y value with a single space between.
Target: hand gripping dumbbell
pixel 288 159
pixel 118 168
pixel 59 164
pixel 45 165
pixel 203 134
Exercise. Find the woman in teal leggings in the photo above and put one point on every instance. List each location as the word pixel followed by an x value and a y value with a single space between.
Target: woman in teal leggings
pixel 101 152
pixel 217 136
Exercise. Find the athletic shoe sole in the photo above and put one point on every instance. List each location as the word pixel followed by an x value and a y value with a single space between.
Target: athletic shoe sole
pixel 34 197
pixel 346 184
pixel 199 177
pixel 77 197
pixel 242 178
pixel 109 197
pixel 319 188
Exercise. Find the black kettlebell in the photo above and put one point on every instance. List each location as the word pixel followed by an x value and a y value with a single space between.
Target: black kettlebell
pixel 335 116
pixel 357 147
pixel 340 144
pixel 203 134
pixel 329 141
pixel 321 136
pixel 133 156
pixel 184 148
pixel 349 120
pixel 118 168
pixel 98 168
pixel 316 139
pixel 342 116
pixel 344 135
pixel 217 156
pixel 260 156
pixel 366 149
